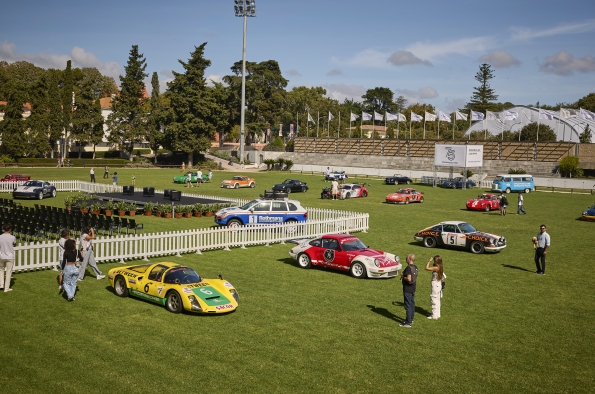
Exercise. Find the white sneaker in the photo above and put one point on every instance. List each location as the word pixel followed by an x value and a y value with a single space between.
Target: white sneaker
pixel 99 277
pixel 7 290
pixel 430 317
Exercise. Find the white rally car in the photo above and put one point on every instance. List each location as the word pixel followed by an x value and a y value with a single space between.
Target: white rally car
pixel 34 189
pixel 345 252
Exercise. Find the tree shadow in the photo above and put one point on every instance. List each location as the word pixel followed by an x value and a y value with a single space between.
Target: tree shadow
pixel 386 313
pixel 514 267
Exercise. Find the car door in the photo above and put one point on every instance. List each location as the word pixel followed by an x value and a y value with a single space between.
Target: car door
pixel 258 212
pixel 331 254
pixel 150 286
pixel 452 236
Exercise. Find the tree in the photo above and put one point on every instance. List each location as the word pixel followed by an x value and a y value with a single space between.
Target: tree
pixel 585 136
pixel 38 123
pixel 13 128
pixel 400 103
pixel 569 166
pixel 66 98
pixel 587 102
pixel 378 99
pixel 194 113
pixel 128 121
pixel 530 133
pixel 156 117
pixel 483 95
pixel 87 121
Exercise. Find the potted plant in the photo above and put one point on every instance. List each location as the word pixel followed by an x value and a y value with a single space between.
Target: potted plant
pixel 84 207
pixel 148 209
pixel 167 211
pixel 197 208
pixel 216 208
pixel 121 207
pixel 132 209
pixel 179 211
pixel 109 208
pixel 187 211
pixel 96 208
pixel 68 203
pixel 159 210
pixel 207 210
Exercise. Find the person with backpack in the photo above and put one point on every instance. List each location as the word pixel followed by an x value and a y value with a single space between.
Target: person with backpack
pixel 503 204
pixel 409 277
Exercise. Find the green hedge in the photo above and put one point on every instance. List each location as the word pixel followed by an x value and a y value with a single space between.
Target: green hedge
pixel 142 151
pixel 35 162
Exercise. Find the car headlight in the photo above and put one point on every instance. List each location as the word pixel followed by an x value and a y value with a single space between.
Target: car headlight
pixel 194 304
pixel 584 213
pixel 235 295
pixel 376 263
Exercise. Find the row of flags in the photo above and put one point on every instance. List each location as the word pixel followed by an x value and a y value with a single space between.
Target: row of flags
pixel 489 115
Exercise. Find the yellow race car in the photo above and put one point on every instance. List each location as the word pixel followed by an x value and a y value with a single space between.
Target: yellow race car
pixel 175 286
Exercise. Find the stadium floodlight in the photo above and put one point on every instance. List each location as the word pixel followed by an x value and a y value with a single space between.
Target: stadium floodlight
pixel 244 8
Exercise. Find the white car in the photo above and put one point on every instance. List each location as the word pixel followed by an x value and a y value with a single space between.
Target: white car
pixel 34 189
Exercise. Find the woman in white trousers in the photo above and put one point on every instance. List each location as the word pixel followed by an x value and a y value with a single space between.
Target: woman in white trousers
pixel 438 275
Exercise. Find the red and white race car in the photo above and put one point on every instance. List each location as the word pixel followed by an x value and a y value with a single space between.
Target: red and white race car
pixel 346 253
pixel 484 202
pixel 405 196
pixel 352 190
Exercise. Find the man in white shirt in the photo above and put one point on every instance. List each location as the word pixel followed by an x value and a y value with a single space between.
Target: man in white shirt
pixel 542 243
pixel 7 244
pixel 198 177
pixel 335 189
pixel 92 174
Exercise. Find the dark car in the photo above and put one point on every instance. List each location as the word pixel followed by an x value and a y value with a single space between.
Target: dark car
pixel 290 185
pixel 336 175
pixel 34 189
pixel 457 183
pixel 396 179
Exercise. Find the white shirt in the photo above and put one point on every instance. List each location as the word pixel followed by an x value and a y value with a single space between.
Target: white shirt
pixel 7 242
pixel 92 172
pixel 335 185
pixel 520 199
pixel 543 239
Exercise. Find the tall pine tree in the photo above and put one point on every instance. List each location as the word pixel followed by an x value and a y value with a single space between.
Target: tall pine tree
pixel 128 121
pixel 156 117
pixel 483 95
pixel 87 120
pixel 13 127
pixel 67 93
pixel 194 113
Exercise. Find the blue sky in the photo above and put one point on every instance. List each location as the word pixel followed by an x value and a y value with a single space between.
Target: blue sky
pixel 426 51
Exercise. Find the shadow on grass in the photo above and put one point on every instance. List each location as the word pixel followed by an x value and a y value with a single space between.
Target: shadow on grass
pixel 386 313
pixel 418 309
pixel 291 262
pixel 514 267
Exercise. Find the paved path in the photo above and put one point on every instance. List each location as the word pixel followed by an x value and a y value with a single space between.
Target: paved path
pixel 233 168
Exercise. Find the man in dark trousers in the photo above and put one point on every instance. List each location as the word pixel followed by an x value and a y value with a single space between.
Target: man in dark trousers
pixel 409 277
pixel 542 243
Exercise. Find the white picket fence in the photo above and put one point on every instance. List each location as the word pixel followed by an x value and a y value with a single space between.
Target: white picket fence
pixel 40 255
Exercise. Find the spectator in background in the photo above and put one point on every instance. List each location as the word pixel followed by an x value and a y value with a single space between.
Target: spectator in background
pixel 521 202
pixel 87 237
pixel 58 163
pixel 438 276
pixel 105 172
pixel 409 279
pixel 198 177
pixel 542 244
pixel 210 175
pixel 7 244
pixel 115 179
pixel 183 166
pixel 92 173
pixel 69 268
pixel 335 189
pixel 133 180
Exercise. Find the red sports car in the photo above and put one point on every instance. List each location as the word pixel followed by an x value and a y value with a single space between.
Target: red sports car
pixel 345 253
pixel 405 196
pixel 15 178
pixel 353 190
pixel 484 202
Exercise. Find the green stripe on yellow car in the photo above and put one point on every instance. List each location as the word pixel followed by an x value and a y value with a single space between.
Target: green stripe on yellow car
pixel 210 296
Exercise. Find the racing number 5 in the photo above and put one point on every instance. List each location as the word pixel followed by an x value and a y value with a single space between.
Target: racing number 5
pixel 451 239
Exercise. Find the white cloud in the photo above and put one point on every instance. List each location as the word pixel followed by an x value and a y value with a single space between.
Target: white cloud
pixel 499 59
pixel 334 72
pixel 525 33
pixel 563 63
pixel 79 57
pixel 369 58
pixel 417 96
pixel 401 58
pixel 454 105
pixel 213 78
pixel 462 46
pixel 293 73
pixel 340 92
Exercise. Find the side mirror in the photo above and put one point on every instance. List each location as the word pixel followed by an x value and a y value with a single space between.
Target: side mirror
pixel 177 281
pixel 220 276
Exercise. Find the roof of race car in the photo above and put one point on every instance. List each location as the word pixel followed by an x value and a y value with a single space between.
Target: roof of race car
pixel 338 236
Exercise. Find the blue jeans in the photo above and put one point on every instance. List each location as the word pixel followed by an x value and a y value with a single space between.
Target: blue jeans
pixel 409 303
pixel 71 273
pixel 520 209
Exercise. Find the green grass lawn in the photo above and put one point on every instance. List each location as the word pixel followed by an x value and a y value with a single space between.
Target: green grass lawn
pixel 503 328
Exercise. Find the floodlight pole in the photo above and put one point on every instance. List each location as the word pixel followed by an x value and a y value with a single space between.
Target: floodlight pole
pixel 241 9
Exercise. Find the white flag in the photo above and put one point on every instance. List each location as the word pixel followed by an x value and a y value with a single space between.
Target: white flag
pixel 477 115
pixel 430 117
pixel 568 113
pixel 460 116
pixel 492 115
pixel 510 115
pixel 310 118
pixel 415 117
pixel 330 116
pixel 545 114
pixel 402 118
pixel 443 117
pixel 390 116
pixel 587 114
pixel 353 117
pixel 366 116
pixel 378 116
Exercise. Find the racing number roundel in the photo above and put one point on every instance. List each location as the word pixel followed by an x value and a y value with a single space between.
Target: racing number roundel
pixel 329 255
pixel 146 288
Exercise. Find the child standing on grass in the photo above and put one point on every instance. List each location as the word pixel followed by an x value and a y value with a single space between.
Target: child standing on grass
pixel 133 180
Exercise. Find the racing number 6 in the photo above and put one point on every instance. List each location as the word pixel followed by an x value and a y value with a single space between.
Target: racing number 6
pixel 205 291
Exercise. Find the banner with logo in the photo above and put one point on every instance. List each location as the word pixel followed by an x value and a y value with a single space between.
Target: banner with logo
pixel 458 155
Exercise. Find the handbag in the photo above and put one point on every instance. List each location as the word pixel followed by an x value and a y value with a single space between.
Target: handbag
pixel 443 285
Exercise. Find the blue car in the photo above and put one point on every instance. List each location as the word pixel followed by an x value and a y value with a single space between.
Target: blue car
pixel 457 183
pixel 589 214
pixel 262 211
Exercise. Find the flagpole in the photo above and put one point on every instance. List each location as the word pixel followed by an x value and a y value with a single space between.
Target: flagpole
pixel 317 123
pixel 350 117
pixel 485 125
pixel 328 125
pixel 410 119
pixel 339 127
pixel 361 127
pixel 538 121
pixel 438 137
pixel 297 124
pixel 469 135
pixel 424 126
pixel 385 130
pixel 453 127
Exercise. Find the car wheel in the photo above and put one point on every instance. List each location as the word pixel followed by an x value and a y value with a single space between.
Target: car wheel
pixel 476 247
pixel 421 199
pixel 54 193
pixel 507 190
pixel 430 242
pixel 304 260
pixel 347 195
pixel 487 208
pixel 358 270
pixel 364 193
pixel 40 196
pixel 408 182
pixel 120 287
pixel 288 190
pixel 454 186
pixel 252 184
pixel 234 223
pixel 527 191
pixel 406 201
pixel 304 189
pixel 237 185
pixel 173 303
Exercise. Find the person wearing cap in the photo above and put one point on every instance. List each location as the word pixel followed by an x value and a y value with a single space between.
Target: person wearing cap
pixel 542 243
